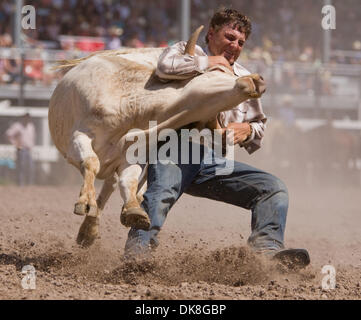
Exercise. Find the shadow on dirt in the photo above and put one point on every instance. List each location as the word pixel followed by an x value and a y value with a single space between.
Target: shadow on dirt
pixel 44 262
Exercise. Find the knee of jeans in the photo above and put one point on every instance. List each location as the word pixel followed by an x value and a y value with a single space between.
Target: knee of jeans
pixel 161 195
pixel 164 178
pixel 275 185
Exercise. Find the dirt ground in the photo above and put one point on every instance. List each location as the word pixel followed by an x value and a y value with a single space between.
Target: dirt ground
pixel 203 252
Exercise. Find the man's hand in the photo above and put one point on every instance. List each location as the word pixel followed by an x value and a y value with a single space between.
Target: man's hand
pixel 219 60
pixel 241 131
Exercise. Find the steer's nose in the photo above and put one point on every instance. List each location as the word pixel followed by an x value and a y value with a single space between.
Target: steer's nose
pixel 252 85
pixel 259 83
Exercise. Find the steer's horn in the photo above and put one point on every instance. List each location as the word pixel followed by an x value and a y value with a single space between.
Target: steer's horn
pixel 191 44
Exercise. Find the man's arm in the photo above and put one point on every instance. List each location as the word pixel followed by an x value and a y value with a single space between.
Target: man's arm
pixel 257 119
pixel 248 122
pixel 174 64
pixel 247 134
pixel 13 133
pixel 253 143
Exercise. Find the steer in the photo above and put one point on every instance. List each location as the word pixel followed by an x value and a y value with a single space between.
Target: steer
pixel 102 97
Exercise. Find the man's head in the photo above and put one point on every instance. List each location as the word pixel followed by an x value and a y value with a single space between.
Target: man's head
pixel 227 33
pixel 26 118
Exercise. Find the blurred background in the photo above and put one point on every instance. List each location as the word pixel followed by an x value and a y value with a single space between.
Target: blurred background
pixel 313 100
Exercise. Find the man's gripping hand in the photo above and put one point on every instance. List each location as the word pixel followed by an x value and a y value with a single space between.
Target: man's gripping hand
pixel 241 132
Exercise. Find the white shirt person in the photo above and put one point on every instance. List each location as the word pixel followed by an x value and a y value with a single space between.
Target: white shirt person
pixel 21 135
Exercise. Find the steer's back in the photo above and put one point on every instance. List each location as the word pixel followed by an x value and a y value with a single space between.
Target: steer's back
pixel 96 96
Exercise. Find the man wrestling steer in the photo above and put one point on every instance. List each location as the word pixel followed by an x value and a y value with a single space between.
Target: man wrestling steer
pixel 246 187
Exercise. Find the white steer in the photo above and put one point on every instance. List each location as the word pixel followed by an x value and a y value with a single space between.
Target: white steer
pixel 105 95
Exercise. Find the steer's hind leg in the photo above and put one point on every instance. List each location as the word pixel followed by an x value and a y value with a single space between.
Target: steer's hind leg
pixel 132 214
pixel 89 230
pixel 81 154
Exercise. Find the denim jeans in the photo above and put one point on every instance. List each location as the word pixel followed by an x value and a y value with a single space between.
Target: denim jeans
pixel 246 187
pixel 24 167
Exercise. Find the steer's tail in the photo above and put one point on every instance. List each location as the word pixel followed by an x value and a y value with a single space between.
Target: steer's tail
pixel 68 64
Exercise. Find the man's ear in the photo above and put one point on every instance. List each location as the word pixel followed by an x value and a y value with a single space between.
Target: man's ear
pixel 210 33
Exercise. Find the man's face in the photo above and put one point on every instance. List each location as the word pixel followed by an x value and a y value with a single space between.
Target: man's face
pixel 26 119
pixel 226 42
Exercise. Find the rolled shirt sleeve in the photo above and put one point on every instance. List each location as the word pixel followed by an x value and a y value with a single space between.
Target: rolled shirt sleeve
pixel 253 143
pixel 257 120
pixel 174 64
pixel 249 111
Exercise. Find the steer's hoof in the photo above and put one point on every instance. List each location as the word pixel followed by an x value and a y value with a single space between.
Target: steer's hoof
pixel 81 209
pixel 92 212
pixel 135 218
pixel 88 232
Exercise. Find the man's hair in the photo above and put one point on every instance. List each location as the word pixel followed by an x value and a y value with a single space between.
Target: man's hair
pixel 230 16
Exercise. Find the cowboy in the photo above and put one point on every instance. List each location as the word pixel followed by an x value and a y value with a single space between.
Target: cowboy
pixel 246 187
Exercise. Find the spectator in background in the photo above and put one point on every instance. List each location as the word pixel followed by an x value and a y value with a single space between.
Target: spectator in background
pixel 34 70
pixel 3 75
pixel 2 72
pixel 288 26
pixel 135 41
pixel 113 41
pixel 21 135
pixel 10 67
pixel 307 55
pixel 286 111
pixel 262 59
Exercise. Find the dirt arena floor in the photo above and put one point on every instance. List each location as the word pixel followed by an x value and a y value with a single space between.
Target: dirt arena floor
pixel 203 252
